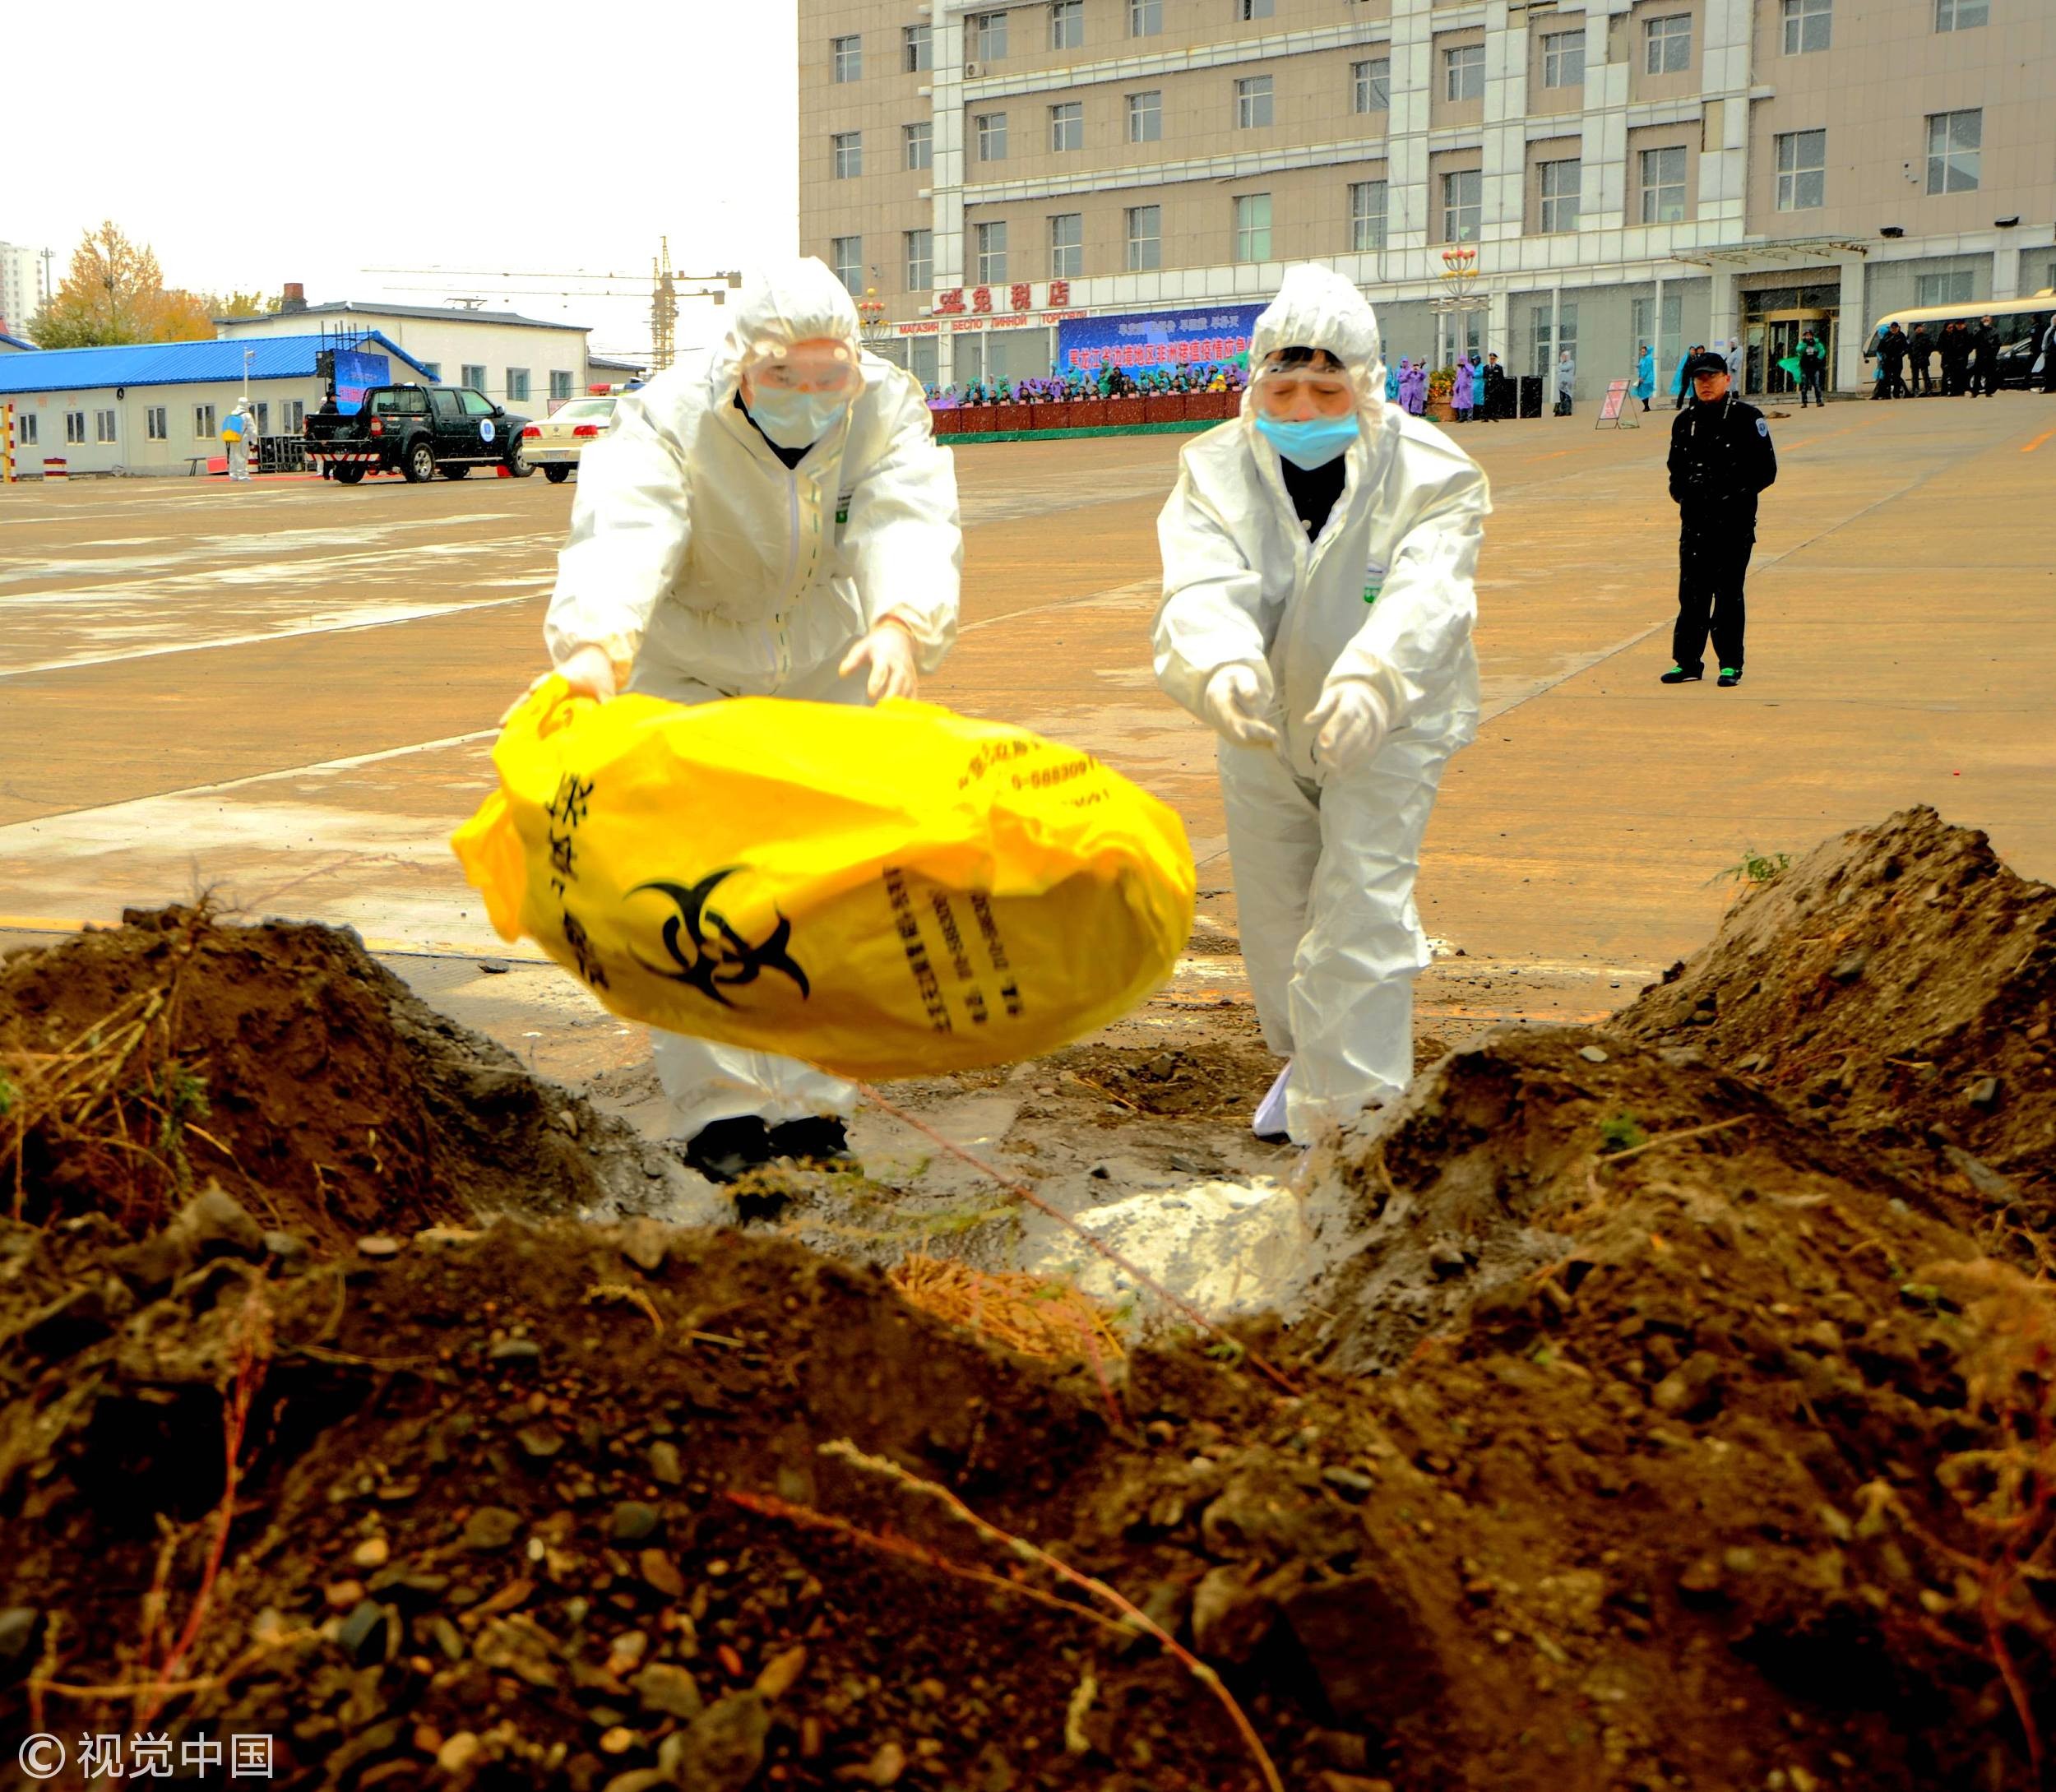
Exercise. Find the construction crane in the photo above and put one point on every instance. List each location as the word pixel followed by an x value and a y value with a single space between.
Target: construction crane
pixel 662 282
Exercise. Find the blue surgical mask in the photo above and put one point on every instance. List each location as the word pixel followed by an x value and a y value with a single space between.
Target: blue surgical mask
pixel 798 419
pixel 1312 443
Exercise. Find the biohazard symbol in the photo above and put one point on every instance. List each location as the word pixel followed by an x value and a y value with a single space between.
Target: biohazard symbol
pixel 717 963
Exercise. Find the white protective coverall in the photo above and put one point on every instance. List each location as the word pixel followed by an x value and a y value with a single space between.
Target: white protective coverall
pixel 1324 861
pixel 699 559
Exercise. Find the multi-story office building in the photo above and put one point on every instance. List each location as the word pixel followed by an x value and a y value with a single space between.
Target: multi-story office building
pixel 1626 171
pixel 20 286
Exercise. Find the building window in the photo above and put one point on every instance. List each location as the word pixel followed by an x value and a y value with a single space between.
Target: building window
pixel 1367 215
pixel 293 413
pixel 845 257
pixel 1563 59
pixel 1548 345
pixel 1961 15
pixel 919 140
pixel 1950 289
pixel 1802 170
pixel 1146 238
pixel 917 47
pixel 1663 179
pixel 103 426
pixel 1463 204
pixel 1146 17
pixel 849 154
pixel 1562 183
pixel 1669 44
pixel 1809 25
pixel 433 369
pixel 1372 85
pixel 987 33
pixel 1464 71
pixel 156 423
pixel 474 373
pixel 1067 246
pixel 920 260
pixel 1146 117
pixel 1252 102
pixel 25 429
pixel 1255 9
pixel 1956 146
pixel 560 386
pixel 992 253
pixel 992 135
pixel 203 424
pixel 847 55
pixel 1253 228
pixel 1066 127
pixel 517 386
pixel 1067 25
pixel 74 427
pixel 263 415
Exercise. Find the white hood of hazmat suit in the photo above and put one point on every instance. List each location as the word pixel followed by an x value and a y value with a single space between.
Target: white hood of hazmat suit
pixel 697 556
pixel 699 559
pixel 1324 863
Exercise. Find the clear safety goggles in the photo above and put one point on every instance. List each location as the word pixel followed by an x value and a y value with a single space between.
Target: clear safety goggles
pixel 1330 390
pixel 823 367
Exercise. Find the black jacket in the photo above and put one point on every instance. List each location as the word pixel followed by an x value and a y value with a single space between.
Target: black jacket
pixel 1721 458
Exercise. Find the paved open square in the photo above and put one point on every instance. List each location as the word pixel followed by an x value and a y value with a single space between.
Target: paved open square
pixel 286 693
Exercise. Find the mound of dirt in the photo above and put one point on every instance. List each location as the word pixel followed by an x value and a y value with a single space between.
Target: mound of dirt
pixel 1899 983
pixel 285 1062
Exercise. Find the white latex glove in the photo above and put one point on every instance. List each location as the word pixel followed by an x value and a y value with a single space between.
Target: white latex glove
pixel 888 650
pixel 589 672
pixel 1349 723
pixel 1236 700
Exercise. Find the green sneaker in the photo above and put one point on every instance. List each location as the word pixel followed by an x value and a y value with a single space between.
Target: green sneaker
pixel 1731 676
pixel 1682 675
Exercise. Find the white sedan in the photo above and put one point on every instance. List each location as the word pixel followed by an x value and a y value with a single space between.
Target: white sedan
pixel 555 443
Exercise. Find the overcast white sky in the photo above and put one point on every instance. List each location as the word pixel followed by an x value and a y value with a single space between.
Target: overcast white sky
pixel 589 130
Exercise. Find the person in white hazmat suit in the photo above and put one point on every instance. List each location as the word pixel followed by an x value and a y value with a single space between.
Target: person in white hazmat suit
pixel 1318 555
pixel 775 519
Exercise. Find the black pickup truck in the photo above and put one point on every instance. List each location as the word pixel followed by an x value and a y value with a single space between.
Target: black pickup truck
pixel 419 431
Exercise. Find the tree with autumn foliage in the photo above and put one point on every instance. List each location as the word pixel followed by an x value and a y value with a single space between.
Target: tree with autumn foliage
pixel 115 292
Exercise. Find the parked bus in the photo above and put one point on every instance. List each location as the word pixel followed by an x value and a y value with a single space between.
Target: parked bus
pixel 2020 323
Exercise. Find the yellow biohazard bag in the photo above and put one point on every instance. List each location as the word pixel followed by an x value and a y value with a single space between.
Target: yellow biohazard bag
pixel 888 892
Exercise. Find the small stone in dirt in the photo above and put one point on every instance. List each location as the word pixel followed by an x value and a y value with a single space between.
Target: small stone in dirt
pixel 660 1572
pixel 342 1594
pixel 539 1442
pixel 1690 1389
pixel 669 1689
pixel 778 1674
pixel 1984 1093
pixel 1351 1484
pixel 645 1242
pixel 215 1222
pixel 287 1247
pixel 372 1553
pixel 1700 1580
pixel 1340 1748
pixel 459 1751
pixel 491 1527
pixel 1593 1054
pixel 1850 966
pixel 634 1523
pixel 723 1747
pixel 17 1634
pixel 1349 1782
pixel 1447 1260
pixel 617 1740
pixel 664 1465
pixel 515 1350
pixel 494 967
pixel 1100 1173
pixel 366 1623
pixel 378 1244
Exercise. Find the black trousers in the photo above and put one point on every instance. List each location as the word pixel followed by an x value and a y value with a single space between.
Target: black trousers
pixel 1712 564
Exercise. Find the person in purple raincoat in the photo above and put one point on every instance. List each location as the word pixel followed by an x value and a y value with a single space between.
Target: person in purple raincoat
pixel 1459 392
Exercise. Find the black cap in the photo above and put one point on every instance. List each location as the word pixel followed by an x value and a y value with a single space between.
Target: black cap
pixel 1705 363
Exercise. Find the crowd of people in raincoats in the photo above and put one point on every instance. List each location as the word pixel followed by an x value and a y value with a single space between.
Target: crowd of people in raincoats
pixel 1478 387
pixel 1075 387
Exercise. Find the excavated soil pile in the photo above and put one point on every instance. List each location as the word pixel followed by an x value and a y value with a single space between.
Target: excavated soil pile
pixel 1650 1433
pixel 1899 983
pixel 285 1062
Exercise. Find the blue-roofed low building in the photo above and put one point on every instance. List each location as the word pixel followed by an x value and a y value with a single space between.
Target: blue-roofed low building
pixel 155 407
pixel 522 362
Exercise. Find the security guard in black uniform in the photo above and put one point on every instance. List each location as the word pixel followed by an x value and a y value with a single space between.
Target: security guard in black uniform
pixel 1721 458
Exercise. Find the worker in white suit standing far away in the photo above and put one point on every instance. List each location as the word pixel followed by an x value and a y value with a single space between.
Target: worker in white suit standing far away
pixel 774 519
pixel 1318 556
